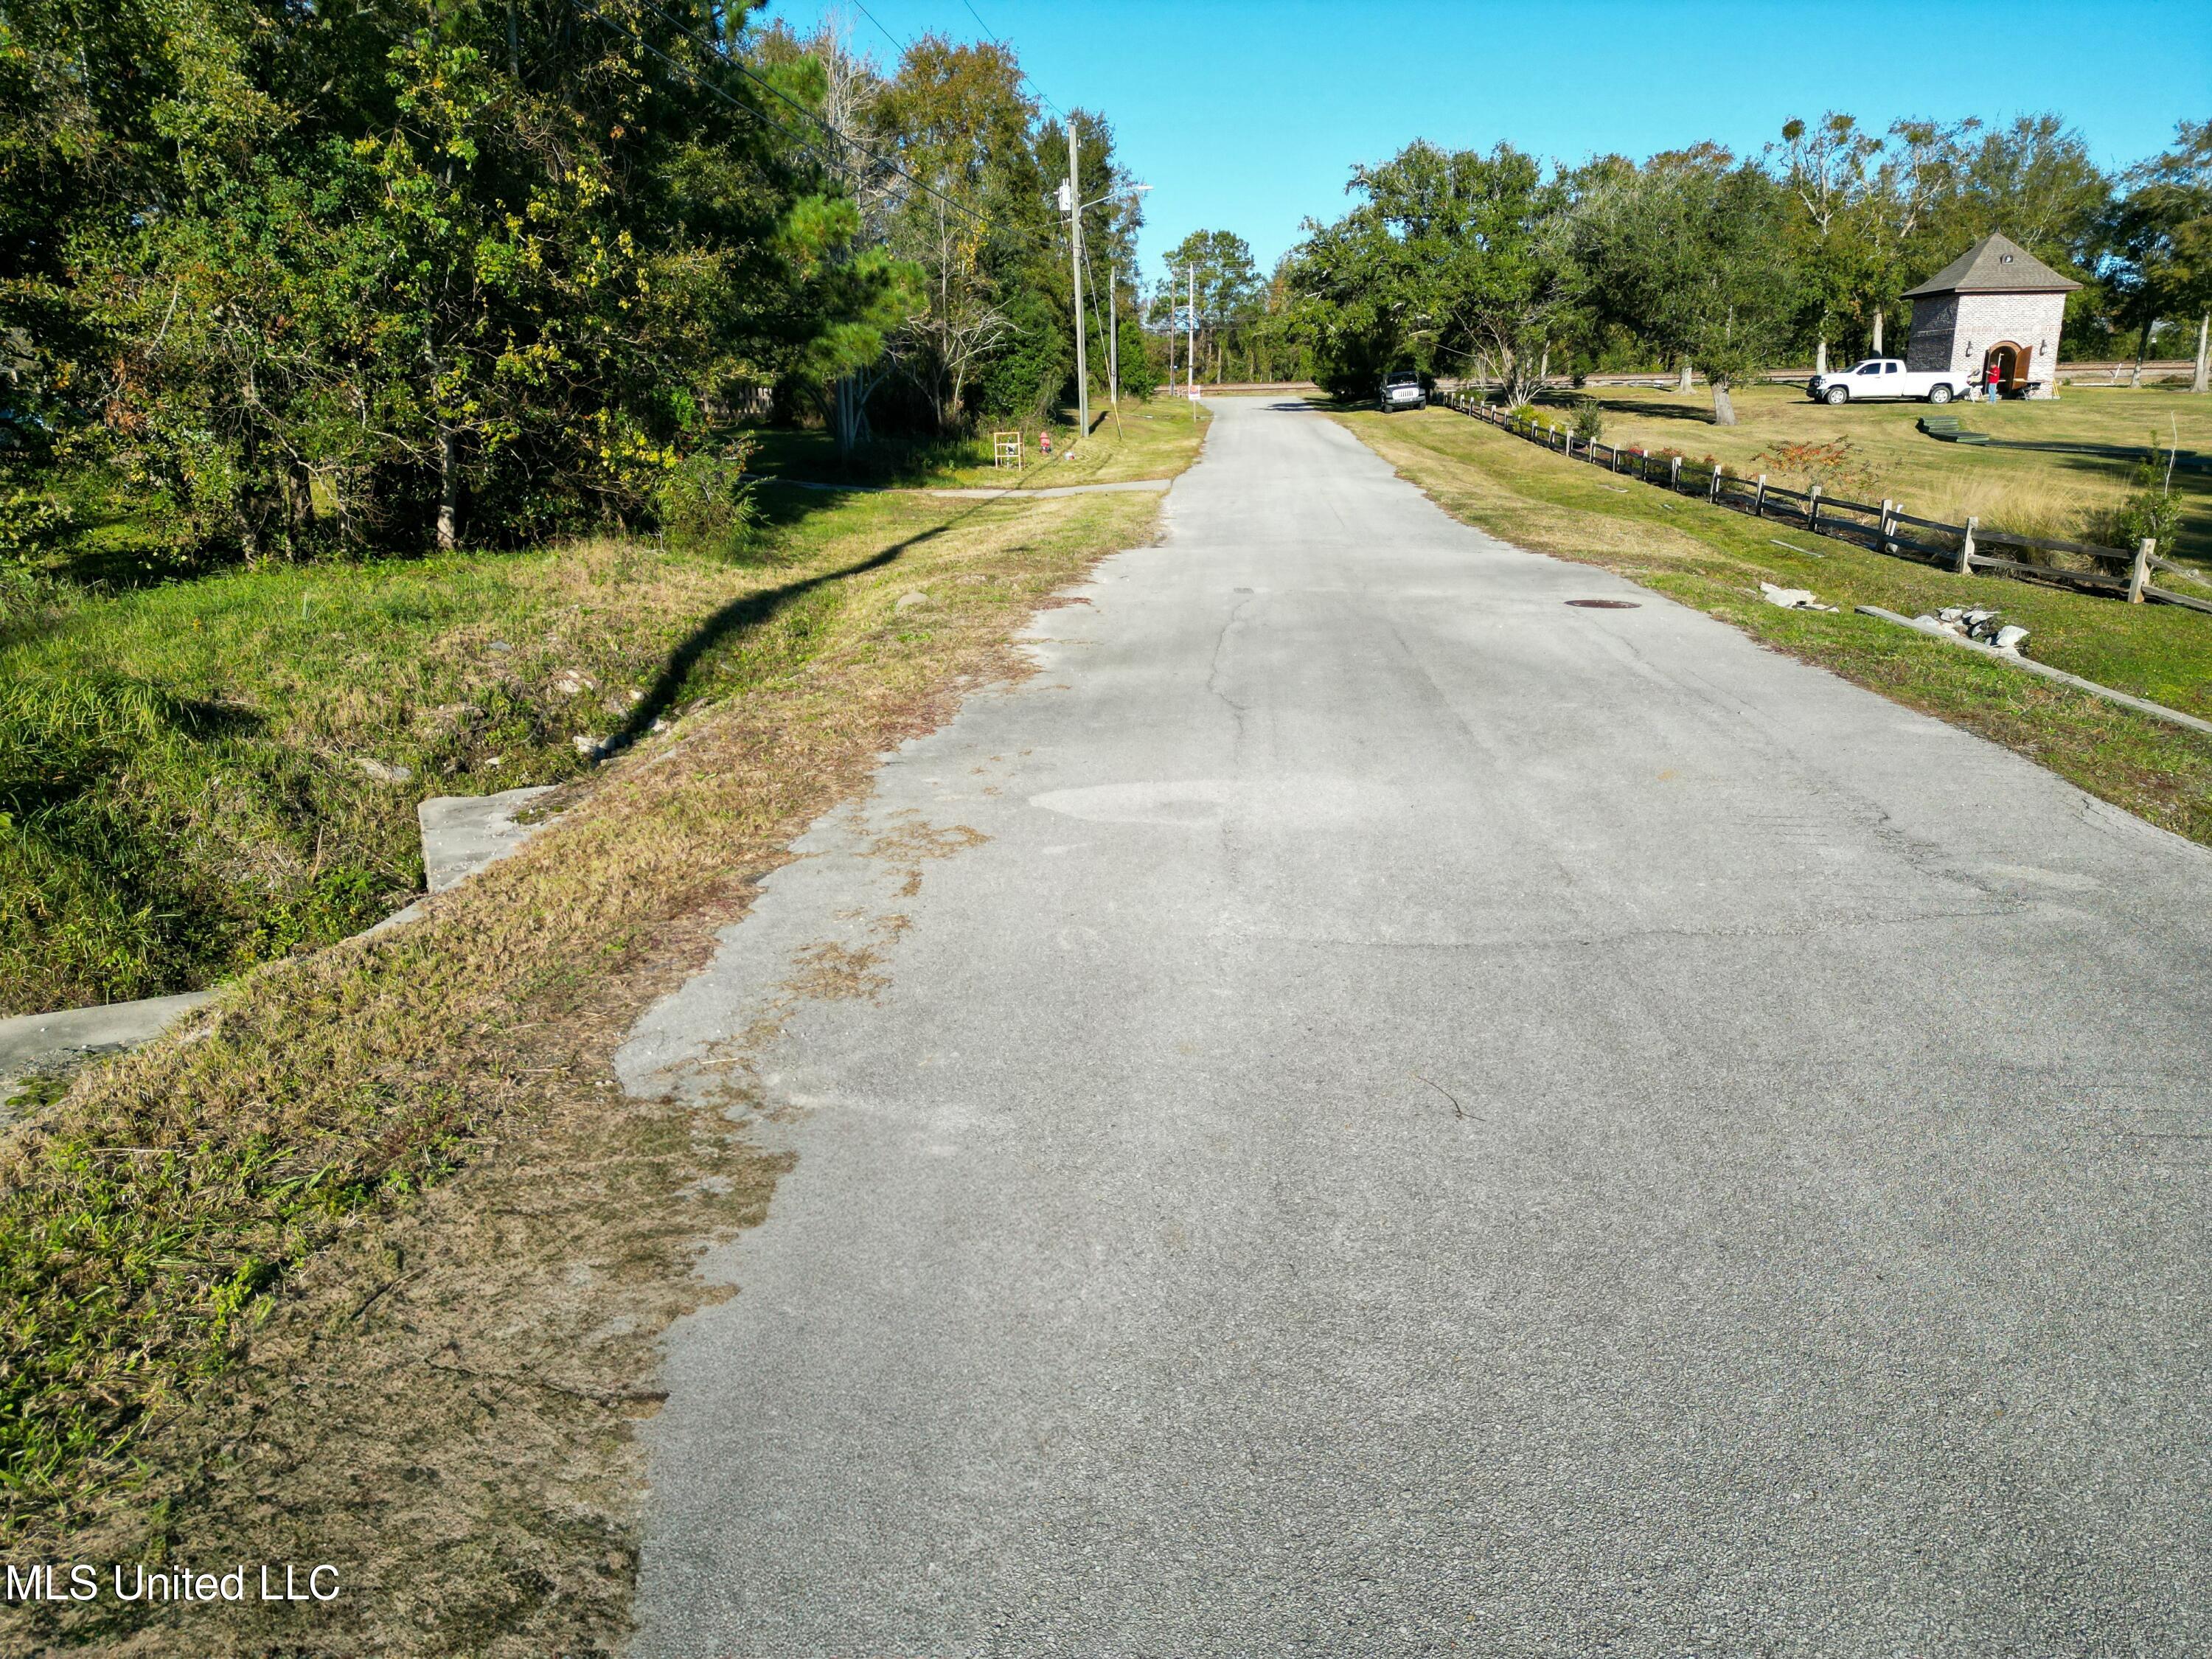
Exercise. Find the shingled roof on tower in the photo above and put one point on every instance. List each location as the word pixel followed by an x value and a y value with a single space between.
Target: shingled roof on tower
pixel 1995 265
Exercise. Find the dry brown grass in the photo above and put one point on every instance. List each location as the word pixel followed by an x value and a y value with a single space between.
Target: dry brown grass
pixel 428 1375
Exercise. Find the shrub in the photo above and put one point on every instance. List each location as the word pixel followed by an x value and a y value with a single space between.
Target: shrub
pixel 1588 424
pixel 31 526
pixel 1834 465
pixel 704 502
pixel 2152 508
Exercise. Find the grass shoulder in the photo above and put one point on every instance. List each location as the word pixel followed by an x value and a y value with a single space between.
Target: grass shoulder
pixel 367 1262
pixel 1143 438
pixel 1715 559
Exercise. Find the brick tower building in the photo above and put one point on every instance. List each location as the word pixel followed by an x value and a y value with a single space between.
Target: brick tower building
pixel 1997 303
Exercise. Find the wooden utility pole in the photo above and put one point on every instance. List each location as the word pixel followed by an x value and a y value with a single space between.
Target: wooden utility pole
pixel 1190 322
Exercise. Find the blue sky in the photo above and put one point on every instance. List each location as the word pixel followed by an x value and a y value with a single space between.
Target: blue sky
pixel 1247 116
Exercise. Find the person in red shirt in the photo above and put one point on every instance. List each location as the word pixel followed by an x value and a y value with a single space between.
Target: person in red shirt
pixel 1990 382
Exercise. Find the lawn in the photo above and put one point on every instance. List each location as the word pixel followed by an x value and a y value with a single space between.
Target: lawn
pixel 2054 467
pixel 1715 559
pixel 368 1263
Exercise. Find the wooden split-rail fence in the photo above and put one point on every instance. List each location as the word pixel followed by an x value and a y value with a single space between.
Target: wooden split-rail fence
pixel 1884 528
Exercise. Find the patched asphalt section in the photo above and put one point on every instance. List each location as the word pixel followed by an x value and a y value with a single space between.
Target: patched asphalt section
pixel 1366 1109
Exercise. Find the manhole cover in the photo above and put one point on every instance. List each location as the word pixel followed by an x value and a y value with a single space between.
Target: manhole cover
pixel 1604 605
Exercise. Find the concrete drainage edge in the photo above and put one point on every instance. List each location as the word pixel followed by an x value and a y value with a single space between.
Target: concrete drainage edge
pixel 2141 705
pixel 461 834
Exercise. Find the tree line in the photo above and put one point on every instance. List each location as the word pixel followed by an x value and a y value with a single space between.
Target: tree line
pixel 297 276
pixel 1491 265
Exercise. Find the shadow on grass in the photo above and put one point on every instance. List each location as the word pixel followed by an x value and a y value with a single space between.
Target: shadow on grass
pixel 2185 462
pixel 751 612
pixel 1637 406
pixel 738 615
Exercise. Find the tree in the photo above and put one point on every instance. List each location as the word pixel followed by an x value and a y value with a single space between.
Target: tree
pixel 1691 252
pixel 1455 257
pixel 1215 265
pixel 404 274
pixel 1829 169
pixel 2161 232
pixel 960 123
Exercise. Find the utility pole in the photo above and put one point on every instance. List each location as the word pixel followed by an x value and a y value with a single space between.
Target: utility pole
pixel 1113 337
pixel 1075 274
pixel 1190 342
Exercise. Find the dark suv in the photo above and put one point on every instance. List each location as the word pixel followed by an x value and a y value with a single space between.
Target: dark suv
pixel 1401 389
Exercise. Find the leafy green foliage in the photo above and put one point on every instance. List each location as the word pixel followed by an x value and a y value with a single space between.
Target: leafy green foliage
pixel 2152 509
pixel 375 280
pixel 1690 252
pixel 1455 259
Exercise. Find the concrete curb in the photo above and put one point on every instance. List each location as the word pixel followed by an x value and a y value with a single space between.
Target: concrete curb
pixel 29 1042
pixel 461 834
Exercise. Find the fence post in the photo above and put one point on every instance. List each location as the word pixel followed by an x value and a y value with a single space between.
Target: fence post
pixel 1758 500
pixel 1674 474
pixel 1887 546
pixel 1813 509
pixel 1713 484
pixel 2139 578
pixel 1966 565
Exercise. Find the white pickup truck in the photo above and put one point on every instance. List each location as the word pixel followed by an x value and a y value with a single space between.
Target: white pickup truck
pixel 1886 377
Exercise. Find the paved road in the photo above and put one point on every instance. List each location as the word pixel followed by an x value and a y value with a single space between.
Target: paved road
pixel 1406 1116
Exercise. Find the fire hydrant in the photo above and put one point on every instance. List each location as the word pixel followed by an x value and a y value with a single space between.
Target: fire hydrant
pixel 1044 444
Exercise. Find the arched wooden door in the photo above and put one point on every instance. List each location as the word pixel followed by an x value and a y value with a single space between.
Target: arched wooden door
pixel 2011 362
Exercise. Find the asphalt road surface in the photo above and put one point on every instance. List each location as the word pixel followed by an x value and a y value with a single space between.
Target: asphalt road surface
pixel 1367 1108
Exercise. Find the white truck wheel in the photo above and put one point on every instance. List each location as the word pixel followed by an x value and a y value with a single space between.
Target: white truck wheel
pixel 1835 395
pixel 1939 393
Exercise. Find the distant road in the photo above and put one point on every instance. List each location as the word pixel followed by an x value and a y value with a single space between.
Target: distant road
pixel 1371 1108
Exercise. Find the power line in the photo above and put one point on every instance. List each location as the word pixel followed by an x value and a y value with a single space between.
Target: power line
pixel 881 30
pixel 998 40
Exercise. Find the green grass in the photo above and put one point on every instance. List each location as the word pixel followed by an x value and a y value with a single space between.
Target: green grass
pixel 182 766
pixel 1715 559
pixel 2054 467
